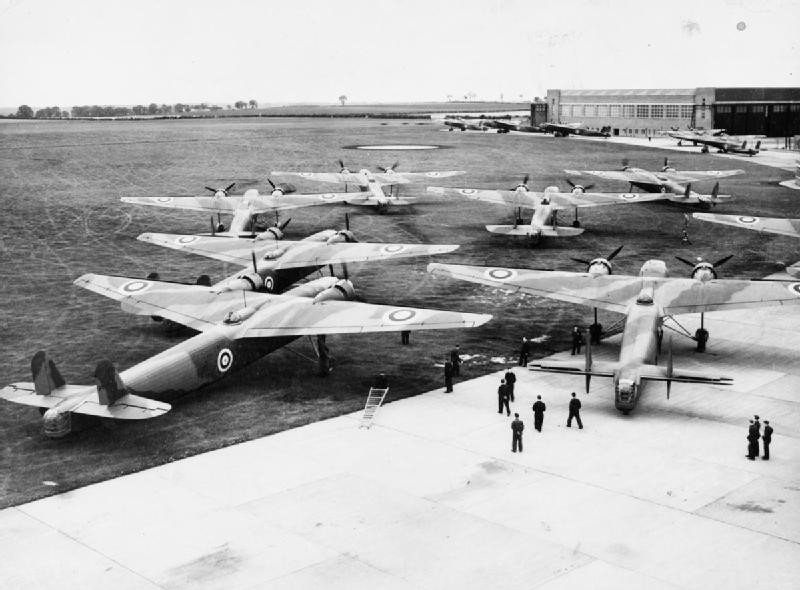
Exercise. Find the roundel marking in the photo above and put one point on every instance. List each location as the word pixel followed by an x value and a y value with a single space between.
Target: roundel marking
pixel 468 191
pixel 629 196
pixel 327 196
pixel 433 174
pixel 304 174
pixel 746 219
pixel 393 248
pixel 135 287
pixel 399 316
pixel 501 274
pixel 187 239
pixel 224 360
pixel 795 288
pixel 164 199
pixel 269 283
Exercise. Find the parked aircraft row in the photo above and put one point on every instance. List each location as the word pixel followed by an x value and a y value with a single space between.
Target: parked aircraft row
pixel 557 129
pixel 716 138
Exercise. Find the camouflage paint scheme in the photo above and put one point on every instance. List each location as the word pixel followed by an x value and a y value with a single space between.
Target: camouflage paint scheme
pixel 771 225
pixel 645 299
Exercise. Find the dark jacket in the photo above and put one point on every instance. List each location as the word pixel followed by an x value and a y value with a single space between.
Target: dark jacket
pixel 502 391
pixel 767 434
pixel 539 407
pixel 454 357
pixel 448 369
pixel 517 426
pixel 574 405
pixel 511 378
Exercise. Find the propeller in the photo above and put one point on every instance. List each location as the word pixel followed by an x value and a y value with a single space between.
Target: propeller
pixel 224 191
pixel 599 265
pixel 342 167
pixel 608 258
pixel 524 183
pixel 390 168
pixel 581 187
pixel 699 260
pixel 253 255
pixel 703 270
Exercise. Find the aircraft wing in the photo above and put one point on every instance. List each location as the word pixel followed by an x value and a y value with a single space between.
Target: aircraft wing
pixel 325 176
pixel 622 175
pixel 195 306
pixel 498 197
pixel 570 200
pixel 609 292
pixel 200 203
pixel 576 367
pixel 658 373
pixel 267 203
pixel 25 393
pixel 677 296
pixel 697 175
pixel 772 225
pixel 288 254
pixel 300 316
pixel 395 177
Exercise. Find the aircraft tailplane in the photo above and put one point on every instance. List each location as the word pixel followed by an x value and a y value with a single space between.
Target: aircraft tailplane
pixel 109 384
pixel 46 377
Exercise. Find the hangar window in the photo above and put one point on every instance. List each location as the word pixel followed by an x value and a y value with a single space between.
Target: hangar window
pixel 591 110
pixel 642 111
pixel 614 110
pixel 794 108
pixel 602 110
pixel 778 108
pixel 759 108
pixel 672 111
pixel 656 111
pixel 686 111
pixel 723 109
pixel 629 110
pixel 742 109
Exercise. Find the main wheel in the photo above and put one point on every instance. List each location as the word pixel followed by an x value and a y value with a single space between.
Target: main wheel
pixel 576 223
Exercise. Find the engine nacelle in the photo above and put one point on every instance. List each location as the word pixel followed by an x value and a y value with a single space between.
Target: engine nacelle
pixel 599 266
pixel 321 236
pixel 704 271
pixel 238 316
pixel 313 288
pixel 251 281
pixel 274 254
pixel 342 291
pixel 342 236
pixel 578 189
pixel 270 234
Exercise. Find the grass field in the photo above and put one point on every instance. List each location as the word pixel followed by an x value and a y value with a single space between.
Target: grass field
pixel 61 183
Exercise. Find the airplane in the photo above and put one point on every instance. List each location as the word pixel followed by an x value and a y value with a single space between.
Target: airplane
pixel 772 225
pixel 372 183
pixel 717 138
pixel 646 300
pixel 793 183
pixel 235 331
pixel 244 208
pixel 668 179
pixel 546 206
pixel 566 129
pixel 463 125
pixel 507 126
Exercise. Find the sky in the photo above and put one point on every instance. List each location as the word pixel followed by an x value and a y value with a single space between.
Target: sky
pixel 74 52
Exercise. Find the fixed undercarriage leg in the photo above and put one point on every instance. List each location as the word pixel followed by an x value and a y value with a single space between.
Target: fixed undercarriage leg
pixel 595 330
pixel 701 335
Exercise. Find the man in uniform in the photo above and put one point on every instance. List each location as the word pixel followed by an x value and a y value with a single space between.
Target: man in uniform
pixel 502 398
pixel 524 351
pixel 538 413
pixel 448 376
pixel 752 441
pixel 757 423
pixel 455 358
pixel 511 379
pixel 577 340
pixel 574 411
pixel 516 434
pixel 766 439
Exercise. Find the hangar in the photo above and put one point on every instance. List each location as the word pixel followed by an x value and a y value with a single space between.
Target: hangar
pixel 771 112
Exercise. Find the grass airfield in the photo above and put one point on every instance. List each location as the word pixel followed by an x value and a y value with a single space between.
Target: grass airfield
pixel 61 183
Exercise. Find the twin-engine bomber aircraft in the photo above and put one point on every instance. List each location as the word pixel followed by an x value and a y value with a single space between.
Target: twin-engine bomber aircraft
pixel 566 129
pixel 235 330
pixel 545 205
pixel 717 138
pixel 646 300
pixel 244 208
pixel 667 180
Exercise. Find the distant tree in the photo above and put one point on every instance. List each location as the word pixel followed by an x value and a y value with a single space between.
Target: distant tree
pixel 228 107
pixel 24 112
pixel 165 109
pixel 342 99
pixel 449 98
pixel 139 110
pixel 65 114
pixel 253 104
pixel 239 104
pixel 152 108
pixel 178 108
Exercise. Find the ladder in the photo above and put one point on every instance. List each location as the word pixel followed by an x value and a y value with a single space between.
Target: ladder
pixel 374 401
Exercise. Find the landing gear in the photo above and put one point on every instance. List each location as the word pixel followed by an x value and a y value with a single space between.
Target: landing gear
pixel 701 335
pixel 595 330
pixel 575 222
pixel 324 358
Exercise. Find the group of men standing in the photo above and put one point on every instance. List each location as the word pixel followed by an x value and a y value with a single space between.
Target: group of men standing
pixel 753 434
pixel 539 408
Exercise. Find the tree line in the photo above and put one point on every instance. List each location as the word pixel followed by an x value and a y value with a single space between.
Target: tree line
pixel 153 109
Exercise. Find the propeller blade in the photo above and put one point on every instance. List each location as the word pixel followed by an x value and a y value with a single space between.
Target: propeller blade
pixel 253 255
pixel 526 179
pixel 666 162
pixel 341 163
pixel 395 165
pixel 588 187
pixel 722 261
pixel 581 260
pixel 614 253
pixel 344 271
pixel 382 169
pixel 272 184
pixel 213 227
pixel 213 190
pixel 569 182
pixel 715 191
pixel 283 225
pixel 230 186
pixel 690 263
pixel 347 221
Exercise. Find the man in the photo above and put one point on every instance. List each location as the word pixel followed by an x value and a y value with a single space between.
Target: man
pixel 757 423
pixel 524 351
pixel 752 441
pixel 516 434
pixel 511 379
pixel 766 439
pixel 448 376
pixel 502 398
pixel 574 411
pixel 538 413
pixel 456 360
pixel 577 340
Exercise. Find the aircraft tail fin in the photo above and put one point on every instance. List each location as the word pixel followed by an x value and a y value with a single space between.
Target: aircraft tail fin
pixel 109 384
pixel 46 377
